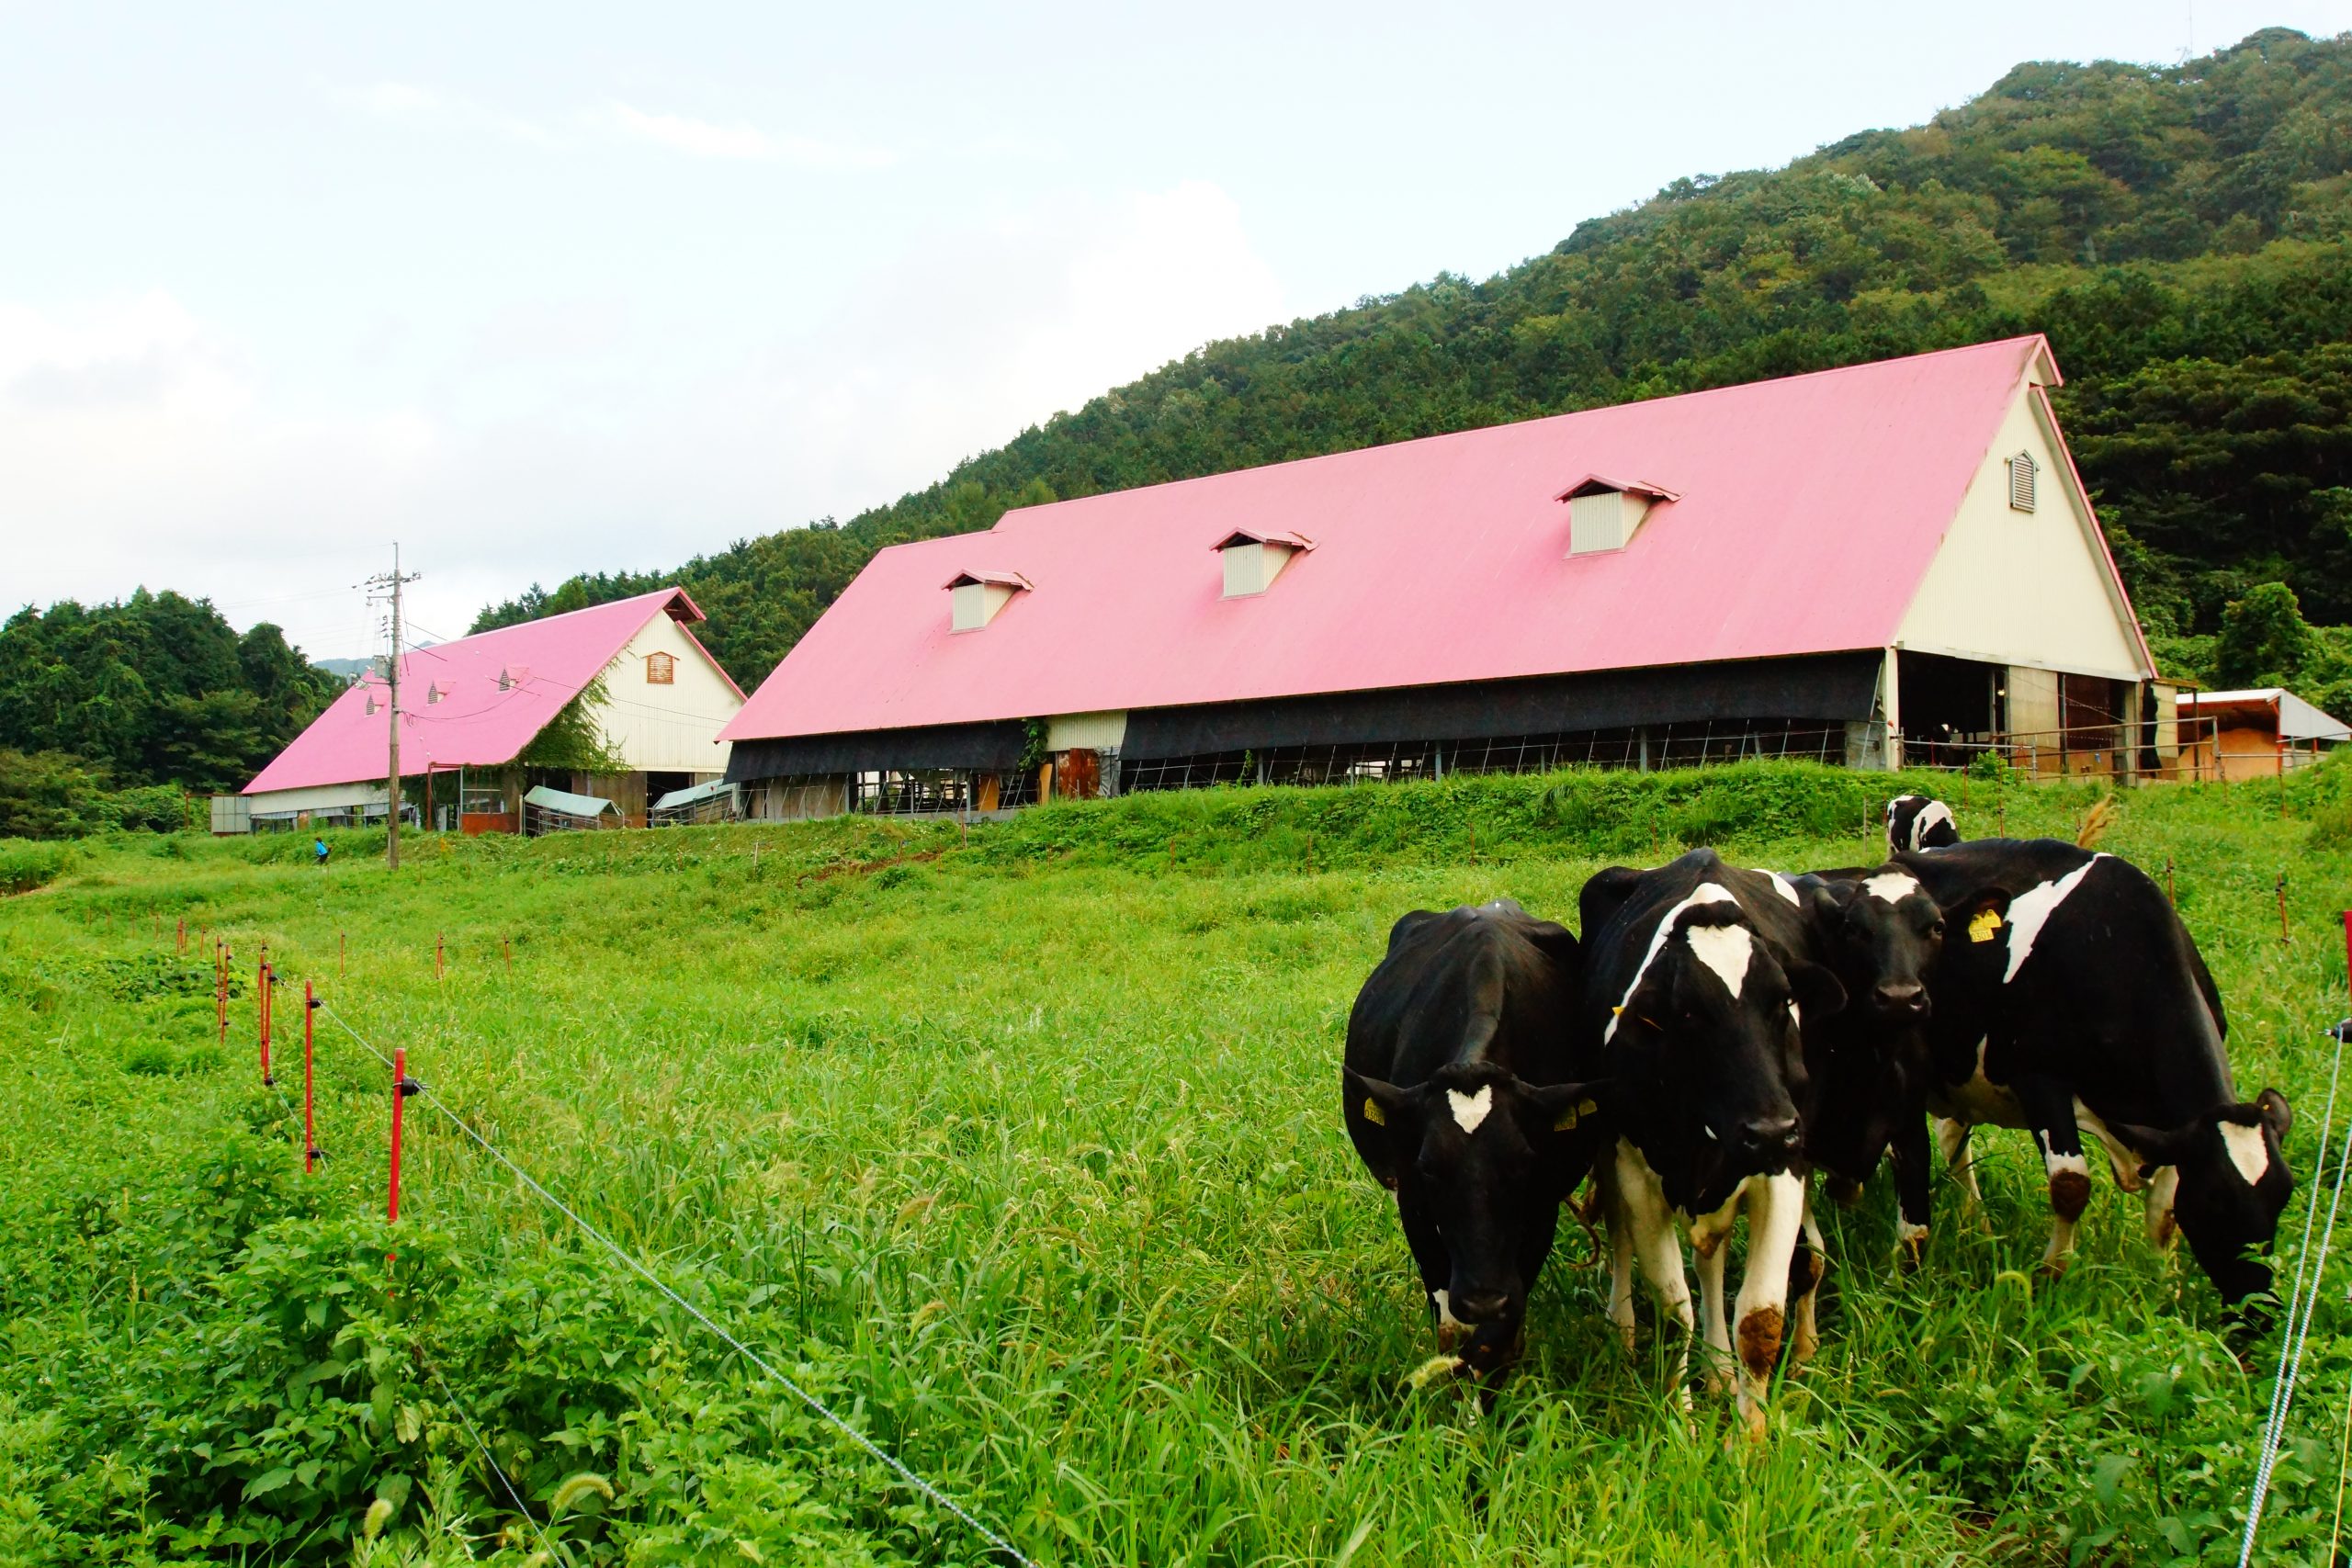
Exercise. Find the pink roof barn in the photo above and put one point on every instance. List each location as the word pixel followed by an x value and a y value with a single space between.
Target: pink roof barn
pixel 1788 542
pixel 480 701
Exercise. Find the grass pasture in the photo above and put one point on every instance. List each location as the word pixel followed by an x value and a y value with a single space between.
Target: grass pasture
pixel 1022 1148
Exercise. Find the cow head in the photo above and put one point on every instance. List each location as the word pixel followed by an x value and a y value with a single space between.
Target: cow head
pixel 2232 1185
pixel 1918 822
pixel 1477 1150
pixel 1881 934
pixel 1708 1038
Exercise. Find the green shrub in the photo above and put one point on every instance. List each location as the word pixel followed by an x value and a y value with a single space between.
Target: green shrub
pixel 26 865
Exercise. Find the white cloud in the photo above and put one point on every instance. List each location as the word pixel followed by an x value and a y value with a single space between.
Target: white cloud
pixel 701 139
pixel 138 444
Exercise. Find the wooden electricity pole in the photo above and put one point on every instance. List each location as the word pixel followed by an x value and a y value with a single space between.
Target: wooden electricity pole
pixel 389 585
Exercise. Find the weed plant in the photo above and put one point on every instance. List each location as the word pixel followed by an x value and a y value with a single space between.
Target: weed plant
pixel 1021 1147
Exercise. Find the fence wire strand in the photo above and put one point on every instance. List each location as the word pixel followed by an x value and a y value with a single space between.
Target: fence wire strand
pixel 817 1406
pixel 491 1460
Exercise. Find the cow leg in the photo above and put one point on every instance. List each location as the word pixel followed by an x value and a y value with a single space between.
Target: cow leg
pixel 1913 1195
pixel 2163 1229
pixel 1621 1258
pixel 1658 1251
pixel 1711 1261
pixel 1775 1219
pixel 1807 1268
pixel 1951 1142
pixel 2050 1114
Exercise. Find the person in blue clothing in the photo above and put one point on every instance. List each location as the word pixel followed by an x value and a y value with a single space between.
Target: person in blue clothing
pixel 319 851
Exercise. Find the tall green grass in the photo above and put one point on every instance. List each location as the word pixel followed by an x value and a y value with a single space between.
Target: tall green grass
pixel 1021 1145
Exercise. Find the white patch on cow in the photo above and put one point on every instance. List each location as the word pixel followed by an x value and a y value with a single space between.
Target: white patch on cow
pixel 1708 1231
pixel 1445 1318
pixel 1891 887
pixel 1705 893
pixel 2247 1150
pixel 2031 909
pixel 1785 888
pixel 1470 1110
pixel 1910 1235
pixel 2057 1164
pixel 1978 1102
pixel 1796 1018
pixel 1641 1223
pixel 2163 1188
pixel 1726 950
pixel 1935 812
pixel 1775 1216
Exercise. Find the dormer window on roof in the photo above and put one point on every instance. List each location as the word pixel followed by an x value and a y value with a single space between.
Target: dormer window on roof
pixel 371 705
pixel 513 676
pixel 1253 559
pixel 978 596
pixel 434 693
pixel 1603 512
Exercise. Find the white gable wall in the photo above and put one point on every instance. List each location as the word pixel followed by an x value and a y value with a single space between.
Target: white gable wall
pixel 2024 588
pixel 670 728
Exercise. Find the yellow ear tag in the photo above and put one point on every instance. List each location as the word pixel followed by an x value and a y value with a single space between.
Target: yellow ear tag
pixel 1616 1011
pixel 1986 922
pixel 1372 1112
pixel 1568 1117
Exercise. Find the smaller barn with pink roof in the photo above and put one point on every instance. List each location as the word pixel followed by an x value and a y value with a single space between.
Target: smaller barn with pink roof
pixel 619 701
pixel 1862 565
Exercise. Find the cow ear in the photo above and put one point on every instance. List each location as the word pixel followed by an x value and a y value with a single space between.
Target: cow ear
pixel 1561 1106
pixel 1370 1100
pixel 2276 1114
pixel 1558 944
pixel 2158 1145
pixel 1407 924
pixel 1816 990
pixel 1980 914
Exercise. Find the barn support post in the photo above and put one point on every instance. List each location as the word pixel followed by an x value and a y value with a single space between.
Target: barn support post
pixel 1891 700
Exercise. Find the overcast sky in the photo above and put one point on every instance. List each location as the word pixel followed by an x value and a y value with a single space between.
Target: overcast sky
pixel 540 289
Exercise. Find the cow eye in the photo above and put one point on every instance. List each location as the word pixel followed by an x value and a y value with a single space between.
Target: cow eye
pixel 1934 928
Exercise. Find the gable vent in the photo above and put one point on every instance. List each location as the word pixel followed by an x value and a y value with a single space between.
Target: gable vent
pixel 1604 513
pixel 2023 468
pixel 1253 559
pixel 977 596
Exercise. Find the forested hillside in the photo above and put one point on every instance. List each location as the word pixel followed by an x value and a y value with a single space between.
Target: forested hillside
pixel 108 713
pixel 2183 233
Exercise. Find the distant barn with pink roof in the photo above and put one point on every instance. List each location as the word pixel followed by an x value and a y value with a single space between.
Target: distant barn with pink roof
pixel 1856 565
pixel 471 712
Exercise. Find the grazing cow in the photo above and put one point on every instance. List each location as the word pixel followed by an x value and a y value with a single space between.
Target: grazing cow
pixel 1459 1099
pixel 1695 991
pixel 1867 1066
pixel 2069 998
pixel 1918 822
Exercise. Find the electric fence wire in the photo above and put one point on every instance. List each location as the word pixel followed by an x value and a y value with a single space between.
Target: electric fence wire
pixel 490 1460
pixel 2290 1344
pixel 818 1406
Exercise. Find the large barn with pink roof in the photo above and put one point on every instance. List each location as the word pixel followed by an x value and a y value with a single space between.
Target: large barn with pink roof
pixel 1858 565
pixel 474 713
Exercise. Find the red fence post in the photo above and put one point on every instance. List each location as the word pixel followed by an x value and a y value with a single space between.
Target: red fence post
pixel 182 933
pixel 2284 936
pixel 220 985
pixel 310 1125
pixel 506 946
pixel 341 947
pixel 437 954
pixel 399 1094
pixel 263 979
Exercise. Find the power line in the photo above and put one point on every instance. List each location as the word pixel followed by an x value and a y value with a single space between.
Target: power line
pixel 825 1412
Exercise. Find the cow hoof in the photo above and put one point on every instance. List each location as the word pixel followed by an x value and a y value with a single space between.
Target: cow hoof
pixel 2052 1269
pixel 1910 1248
pixel 1802 1348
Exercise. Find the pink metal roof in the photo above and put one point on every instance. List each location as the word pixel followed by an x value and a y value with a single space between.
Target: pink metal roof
pixel 475 723
pixel 1805 513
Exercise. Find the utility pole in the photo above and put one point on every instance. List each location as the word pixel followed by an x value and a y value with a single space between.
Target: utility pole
pixel 388 585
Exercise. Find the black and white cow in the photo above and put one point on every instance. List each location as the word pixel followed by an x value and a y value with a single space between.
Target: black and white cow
pixel 1867 1066
pixel 2070 999
pixel 1695 993
pixel 1459 1099
pixel 1918 822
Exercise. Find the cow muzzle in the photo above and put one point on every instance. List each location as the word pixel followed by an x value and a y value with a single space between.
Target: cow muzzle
pixel 1906 999
pixel 1768 1138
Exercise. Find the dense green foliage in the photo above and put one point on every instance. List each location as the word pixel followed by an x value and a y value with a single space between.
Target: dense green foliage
pixel 2183 233
pixel 1023 1149
pixel 149 695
